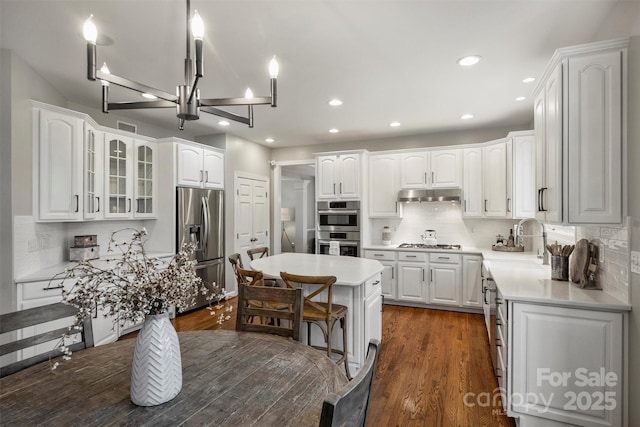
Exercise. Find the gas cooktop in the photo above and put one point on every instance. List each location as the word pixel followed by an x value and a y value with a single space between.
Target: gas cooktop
pixel 423 246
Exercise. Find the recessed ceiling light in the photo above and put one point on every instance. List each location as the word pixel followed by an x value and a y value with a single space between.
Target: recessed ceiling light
pixel 521 98
pixel 528 80
pixel 224 123
pixel 334 130
pixel 149 96
pixel 394 124
pixel 335 102
pixel 269 140
pixel 466 116
pixel 469 60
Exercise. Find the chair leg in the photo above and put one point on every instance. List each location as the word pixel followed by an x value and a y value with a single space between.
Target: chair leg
pixel 343 323
pixel 329 334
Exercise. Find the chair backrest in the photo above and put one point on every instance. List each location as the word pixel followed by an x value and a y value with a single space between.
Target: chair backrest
pixel 263 251
pixel 349 406
pixel 17 320
pixel 325 282
pixel 268 302
pixel 236 261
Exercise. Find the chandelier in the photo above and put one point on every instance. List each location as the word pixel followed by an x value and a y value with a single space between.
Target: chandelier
pixel 187 100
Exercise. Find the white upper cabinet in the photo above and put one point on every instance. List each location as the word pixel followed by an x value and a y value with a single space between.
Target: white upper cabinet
pixel 431 169
pixel 338 176
pixel 145 177
pixel 93 174
pixel 199 166
pixel 58 183
pixel 118 176
pixel 384 184
pixel 446 168
pixel 521 175
pixel 473 200
pixel 579 113
pixel 494 171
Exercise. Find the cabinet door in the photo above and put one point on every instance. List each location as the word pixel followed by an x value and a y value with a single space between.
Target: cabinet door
pixel 326 179
pixel 414 169
pixel 524 177
pixel 189 169
pixel 411 282
pixel 349 173
pixel 471 281
pixel 554 350
pixel 119 176
pixel 472 183
pixel 446 168
pixel 551 195
pixel 541 150
pixel 388 281
pixel 93 173
pixel 494 171
pixel 213 169
pixel 373 317
pixel 59 167
pixel 595 138
pixel 445 284
pixel 510 178
pixel 105 331
pixel 384 184
pixel 145 177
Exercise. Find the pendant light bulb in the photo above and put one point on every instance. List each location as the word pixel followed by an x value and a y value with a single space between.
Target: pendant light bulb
pixel 274 68
pixel 89 30
pixel 197 26
pixel 248 93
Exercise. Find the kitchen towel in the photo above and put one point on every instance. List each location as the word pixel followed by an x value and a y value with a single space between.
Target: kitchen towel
pixel 334 248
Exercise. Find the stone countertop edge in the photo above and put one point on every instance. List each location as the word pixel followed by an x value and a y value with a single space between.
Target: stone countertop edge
pixel 48 273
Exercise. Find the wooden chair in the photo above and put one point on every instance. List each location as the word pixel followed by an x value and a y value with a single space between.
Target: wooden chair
pixel 263 251
pixel 255 299
pixel 322 314
pixel 236 261
pixel 349 406
pixel 12 322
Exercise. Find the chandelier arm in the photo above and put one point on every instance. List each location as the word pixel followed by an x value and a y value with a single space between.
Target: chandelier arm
pixel 132 105
pixel 227 115
pixel 218 102
pixel 138 87
pixel 193 89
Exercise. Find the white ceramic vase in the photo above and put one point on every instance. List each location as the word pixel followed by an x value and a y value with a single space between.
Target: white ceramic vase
pixel 156 370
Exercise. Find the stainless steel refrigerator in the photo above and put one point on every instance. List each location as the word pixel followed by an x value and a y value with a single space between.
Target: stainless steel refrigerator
pixel 201 221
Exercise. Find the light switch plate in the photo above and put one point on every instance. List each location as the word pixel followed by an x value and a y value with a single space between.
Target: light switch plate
pixel 635 262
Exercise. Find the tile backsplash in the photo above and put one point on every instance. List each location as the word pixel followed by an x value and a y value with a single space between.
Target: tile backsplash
pixel 613 252
pixel 446 219
pixel 38 245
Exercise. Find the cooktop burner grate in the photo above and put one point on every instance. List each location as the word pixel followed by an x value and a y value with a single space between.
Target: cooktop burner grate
pixel 423 246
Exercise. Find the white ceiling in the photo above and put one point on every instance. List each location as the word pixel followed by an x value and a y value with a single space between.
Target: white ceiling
pixel 387 60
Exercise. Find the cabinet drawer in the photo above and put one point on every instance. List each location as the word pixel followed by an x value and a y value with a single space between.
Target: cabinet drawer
pixel 372 285
pixel 37 290
pixel 380 255
pixel 444 258
pixel 412 256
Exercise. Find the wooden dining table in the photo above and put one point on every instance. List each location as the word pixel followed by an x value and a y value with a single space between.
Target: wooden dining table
pixel 229 378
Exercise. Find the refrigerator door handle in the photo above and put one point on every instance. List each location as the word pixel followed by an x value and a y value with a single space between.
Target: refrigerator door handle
pixel 205 224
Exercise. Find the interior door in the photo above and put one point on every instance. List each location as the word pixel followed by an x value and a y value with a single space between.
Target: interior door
pixel 251 215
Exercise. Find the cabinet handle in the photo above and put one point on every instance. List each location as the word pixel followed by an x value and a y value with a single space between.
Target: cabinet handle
pixel 129 204
pixel 498 343
pixel 340 188
pixel 382 305
pixel 138 205
pixel 498 300
pixel 509 204
pixel 423 274
pixel 206 176
pixel 77 202
pixel 98 199
pixel 433 177
pixel 201 176
pixel 392 272
pixel 484 295
pixel 378 254
pixel 411 256
pixel 485 205
pixel 377 282
pixel 53 288
pixel 465 205
pixel 334 188
pixel 443 257
pixel 542 190
pixel 431 274
pixel 425 178
pixel 498 323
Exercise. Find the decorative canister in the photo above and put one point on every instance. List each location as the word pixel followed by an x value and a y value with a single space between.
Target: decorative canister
pixel 386 235
pixel 559 267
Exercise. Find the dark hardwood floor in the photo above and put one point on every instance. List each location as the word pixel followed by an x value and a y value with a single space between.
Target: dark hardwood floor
pixel 433 367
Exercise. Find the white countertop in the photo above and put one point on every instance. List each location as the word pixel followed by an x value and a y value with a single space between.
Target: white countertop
pixel 49 272
pixel 464 250
pixel 522 277
pixel 349 271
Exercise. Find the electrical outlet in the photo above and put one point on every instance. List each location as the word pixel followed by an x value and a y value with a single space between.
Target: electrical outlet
pixel 635 262
pixel 32 245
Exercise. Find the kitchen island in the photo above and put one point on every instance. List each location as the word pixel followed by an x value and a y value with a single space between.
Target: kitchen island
pixel 357 287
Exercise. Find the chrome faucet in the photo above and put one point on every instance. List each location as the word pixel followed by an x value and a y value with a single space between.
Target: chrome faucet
pixel 519 236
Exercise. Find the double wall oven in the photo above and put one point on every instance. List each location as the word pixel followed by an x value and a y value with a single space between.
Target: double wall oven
pixel 338 228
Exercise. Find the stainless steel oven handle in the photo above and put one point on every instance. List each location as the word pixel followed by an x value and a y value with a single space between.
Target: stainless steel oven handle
pixel 342 242
pixel 333 212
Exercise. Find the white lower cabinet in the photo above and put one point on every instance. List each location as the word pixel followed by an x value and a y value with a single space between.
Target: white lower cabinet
pixel 566 365
pixel 471 281
pixel 373 309
pixel 389 274
pixel 412 280
pixel 104 330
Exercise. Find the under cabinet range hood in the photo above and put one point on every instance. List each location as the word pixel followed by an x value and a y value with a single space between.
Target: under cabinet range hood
pixel 448 195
